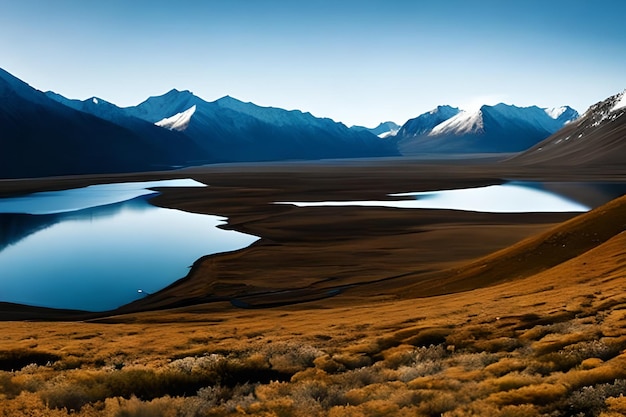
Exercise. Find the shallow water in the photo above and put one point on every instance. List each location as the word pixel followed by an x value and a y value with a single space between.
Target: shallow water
pixel 93 248
pixel 511 197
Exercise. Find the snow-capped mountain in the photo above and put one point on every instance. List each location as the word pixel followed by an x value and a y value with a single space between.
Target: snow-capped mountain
pixel 230 130
pixel 42 137
pixel 425 122
pixel 157 108
pixel 383 130
pixel 179 121
pixel 499 128
pixel 238 131
pixel 563 114
pixel 598 137
pixel 179 147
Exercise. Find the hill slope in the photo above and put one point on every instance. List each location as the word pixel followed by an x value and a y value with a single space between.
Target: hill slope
pixel 597 138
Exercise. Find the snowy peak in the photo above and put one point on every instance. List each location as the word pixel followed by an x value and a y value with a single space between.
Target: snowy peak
pixel 522 116
pixel 383 130
pixel 157 108
pixel 556 112
pixel 425 122
pixel 466 122
pixel 594 138
pixel 498 128
pixel 462 123
pixel 604 111
pixel 180 121
pixel 563 114
pixel 620 101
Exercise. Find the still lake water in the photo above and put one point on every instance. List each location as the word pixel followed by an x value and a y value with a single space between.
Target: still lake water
pixel 93 248
pixel 511 197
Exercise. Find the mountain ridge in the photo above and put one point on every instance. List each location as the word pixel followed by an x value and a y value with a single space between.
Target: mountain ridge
pixel 42 137
pixel 597 137
pixel 497 128
pixel 239 131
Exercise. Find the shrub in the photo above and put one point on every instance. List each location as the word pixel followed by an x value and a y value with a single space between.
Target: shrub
pixel 218 399
pixel 428 337
pixel 506 365
pixel 419 369
pixel 539 394
pixel 134 407
pixel 510 381
pixel 438 403
pixel 8 386
pixel 375 408
pixel 591 400
pixel 481 409
pixel 617 404
pixel 353 360
pixel 472 361
pixel 500 344
pixel 290 358
pixel 606 373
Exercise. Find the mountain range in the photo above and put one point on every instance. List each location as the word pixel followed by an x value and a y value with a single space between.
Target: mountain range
pixel 45 134
pixel 499 128
pixel 232 130
pixel 42 137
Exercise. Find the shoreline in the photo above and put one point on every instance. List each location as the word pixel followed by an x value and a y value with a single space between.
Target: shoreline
pixel 244 193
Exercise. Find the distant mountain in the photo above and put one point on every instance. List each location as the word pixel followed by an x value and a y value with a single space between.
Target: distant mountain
pixel 383 130
pixel 424 123
pixel 499 128
pixel 237 131
pixel 178 145
pixel 42 137
pixel 47 134
pixel 598 138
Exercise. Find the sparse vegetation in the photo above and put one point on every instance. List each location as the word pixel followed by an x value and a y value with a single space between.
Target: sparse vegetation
pixel 565 369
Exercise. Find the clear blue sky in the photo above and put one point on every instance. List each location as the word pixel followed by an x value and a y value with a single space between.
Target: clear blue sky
pixel 358 62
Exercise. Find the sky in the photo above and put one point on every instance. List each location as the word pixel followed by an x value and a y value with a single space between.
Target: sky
pixel 357 62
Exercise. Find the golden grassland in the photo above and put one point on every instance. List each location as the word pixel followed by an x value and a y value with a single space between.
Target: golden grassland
pixel 535 328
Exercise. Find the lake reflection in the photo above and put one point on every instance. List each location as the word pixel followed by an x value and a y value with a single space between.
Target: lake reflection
pixel 96 258
pixel 512 197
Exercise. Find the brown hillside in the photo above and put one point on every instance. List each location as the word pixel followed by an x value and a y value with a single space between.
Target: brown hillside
pixel 533 255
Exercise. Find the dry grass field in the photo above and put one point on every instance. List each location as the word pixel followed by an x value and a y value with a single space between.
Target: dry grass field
pixel 433 312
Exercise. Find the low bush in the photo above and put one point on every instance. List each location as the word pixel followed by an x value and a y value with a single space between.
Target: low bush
pixel 537 394
pixel 8 387
pixel 592 400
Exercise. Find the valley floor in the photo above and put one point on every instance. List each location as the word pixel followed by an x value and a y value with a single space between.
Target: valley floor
pixel 433 312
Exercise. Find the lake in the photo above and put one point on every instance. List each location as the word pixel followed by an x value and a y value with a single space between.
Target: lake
pixel 510 197
pixel 93 248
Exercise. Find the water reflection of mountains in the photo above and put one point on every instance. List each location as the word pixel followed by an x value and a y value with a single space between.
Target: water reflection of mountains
pixel 17 226
pixel 592 194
